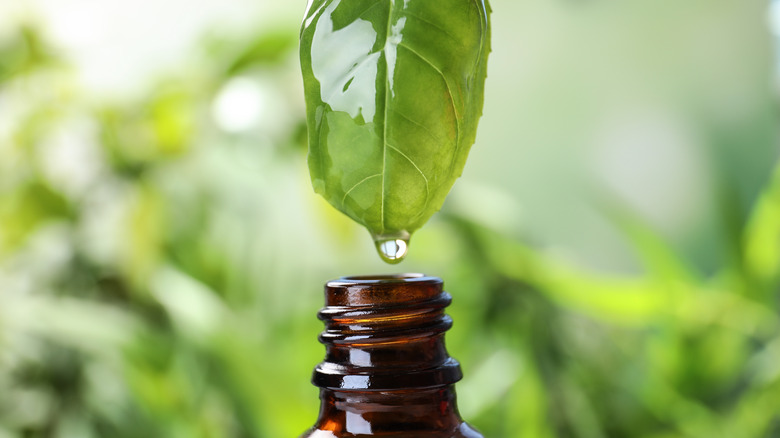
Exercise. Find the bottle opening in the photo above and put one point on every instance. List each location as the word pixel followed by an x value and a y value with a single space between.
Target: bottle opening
pixel 380 278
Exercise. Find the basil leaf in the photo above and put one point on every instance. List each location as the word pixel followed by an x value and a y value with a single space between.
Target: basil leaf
pixel 394 91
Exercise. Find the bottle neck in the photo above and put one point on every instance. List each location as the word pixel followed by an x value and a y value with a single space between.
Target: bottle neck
pixel 375 412
pixel 385 333
pixel 386 366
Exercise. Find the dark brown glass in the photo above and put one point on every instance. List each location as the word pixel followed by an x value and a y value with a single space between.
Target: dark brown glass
pixel 386 370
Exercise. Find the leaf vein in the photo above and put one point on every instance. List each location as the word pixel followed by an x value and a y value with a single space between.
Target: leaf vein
pixel 368 8
pixel 344 199
pixel 412 121
pixel 446 84
pixel 424 20
pixel 427 191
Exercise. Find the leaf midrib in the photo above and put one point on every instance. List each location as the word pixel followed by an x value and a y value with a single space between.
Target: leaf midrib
pixel 384 117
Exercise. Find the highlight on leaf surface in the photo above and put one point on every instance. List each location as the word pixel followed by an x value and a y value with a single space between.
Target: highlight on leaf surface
pixel 394 92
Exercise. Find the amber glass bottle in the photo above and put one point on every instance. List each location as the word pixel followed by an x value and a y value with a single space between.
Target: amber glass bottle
pixel 386 370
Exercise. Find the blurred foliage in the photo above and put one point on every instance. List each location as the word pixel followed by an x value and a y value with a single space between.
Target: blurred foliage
pixel 160 274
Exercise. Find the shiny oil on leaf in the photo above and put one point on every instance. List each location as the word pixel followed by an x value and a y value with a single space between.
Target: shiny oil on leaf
pixel 394 91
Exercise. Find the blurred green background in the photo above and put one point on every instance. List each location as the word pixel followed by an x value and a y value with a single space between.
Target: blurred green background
pixel 613 247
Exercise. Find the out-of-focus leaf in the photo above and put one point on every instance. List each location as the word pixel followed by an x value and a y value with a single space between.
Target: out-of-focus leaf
pixel 22 53
pixel 660 260
pixel 160 127
pixel 624 300
pixel 762 242
pixel 143 246
pixel 173 121
pixel 268 48
pixel 24 209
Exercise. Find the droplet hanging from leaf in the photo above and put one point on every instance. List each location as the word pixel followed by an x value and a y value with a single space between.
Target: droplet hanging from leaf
pixel 394 92
pixel 392 249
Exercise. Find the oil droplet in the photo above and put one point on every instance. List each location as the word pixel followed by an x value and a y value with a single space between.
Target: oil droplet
pixel 392 250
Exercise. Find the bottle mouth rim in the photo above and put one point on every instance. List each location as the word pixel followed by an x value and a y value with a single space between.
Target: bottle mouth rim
pixel 380 278
pixel 383 291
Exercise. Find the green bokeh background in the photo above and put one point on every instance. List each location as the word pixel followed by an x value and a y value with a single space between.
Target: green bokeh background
pixel 613 247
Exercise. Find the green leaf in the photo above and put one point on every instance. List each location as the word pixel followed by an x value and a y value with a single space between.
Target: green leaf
pixel 394 91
